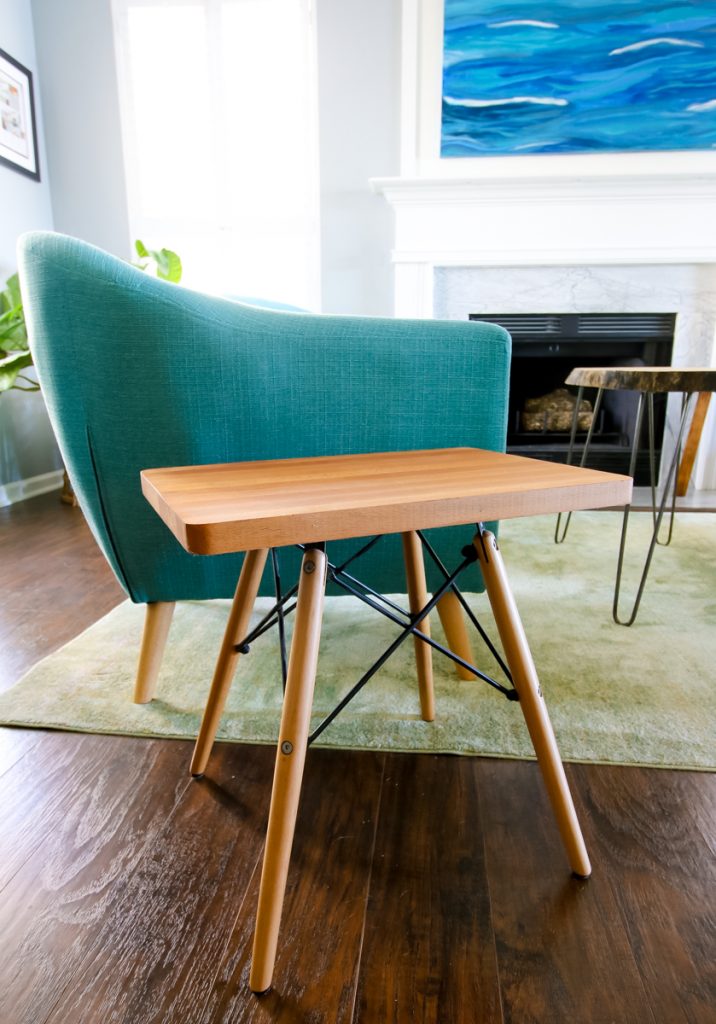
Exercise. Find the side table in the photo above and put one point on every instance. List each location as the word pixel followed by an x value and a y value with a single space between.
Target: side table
pixel 257 506
pixel 647 381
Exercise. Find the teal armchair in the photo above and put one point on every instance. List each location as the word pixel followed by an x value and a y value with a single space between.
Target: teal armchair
pixel 137 373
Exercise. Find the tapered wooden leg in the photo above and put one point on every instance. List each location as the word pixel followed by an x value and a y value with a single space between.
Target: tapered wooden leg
pixel 452 618
pixel 290 758
pixel 236 628
pixel 157 620
pixel 692 443
pixel 524 676
pixel 418 598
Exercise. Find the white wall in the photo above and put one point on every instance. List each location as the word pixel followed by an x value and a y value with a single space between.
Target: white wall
pixel 27 447
pixel 75 50
pixel 359 118
pixel 359 132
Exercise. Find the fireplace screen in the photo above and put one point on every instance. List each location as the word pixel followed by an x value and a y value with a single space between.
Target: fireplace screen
pixel 546 347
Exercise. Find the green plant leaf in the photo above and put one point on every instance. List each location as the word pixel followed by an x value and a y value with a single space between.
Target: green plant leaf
pixel 13 335
pixel 169 266
pixel 10 297
pixel 11 366
pixel 165 263
pixel 12 290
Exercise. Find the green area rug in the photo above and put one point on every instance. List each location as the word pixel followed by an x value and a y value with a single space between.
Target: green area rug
pixel 643 695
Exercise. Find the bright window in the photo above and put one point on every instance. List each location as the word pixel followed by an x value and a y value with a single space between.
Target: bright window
pixel 219 119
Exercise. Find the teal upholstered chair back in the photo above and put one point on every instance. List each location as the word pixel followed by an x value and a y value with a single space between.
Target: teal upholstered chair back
pixel 138 373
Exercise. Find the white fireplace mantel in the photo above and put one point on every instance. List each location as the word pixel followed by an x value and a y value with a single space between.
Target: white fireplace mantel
pixel 553 220
pixel 641 242
pixel 603 232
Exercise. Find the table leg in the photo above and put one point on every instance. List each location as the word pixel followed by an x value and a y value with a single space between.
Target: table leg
pixel 236 630
pixel 418 597
pixel 452 618
pixel 585 452
pixel 534 709
pixel 670 476
pixel 692 443
pixel 290 758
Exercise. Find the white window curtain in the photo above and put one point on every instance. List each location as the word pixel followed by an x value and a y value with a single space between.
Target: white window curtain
pixel 219 115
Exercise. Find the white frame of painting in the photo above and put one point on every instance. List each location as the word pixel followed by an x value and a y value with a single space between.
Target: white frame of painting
pixel 421 108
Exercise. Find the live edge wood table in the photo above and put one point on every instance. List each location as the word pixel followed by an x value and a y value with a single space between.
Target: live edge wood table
pixel 257 506
pixel 690 382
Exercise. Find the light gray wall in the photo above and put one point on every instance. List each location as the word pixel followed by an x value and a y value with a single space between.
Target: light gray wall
pixel 75 50
pixel 359 131
pixel 83 175
pixel 27 447
pixel 25 203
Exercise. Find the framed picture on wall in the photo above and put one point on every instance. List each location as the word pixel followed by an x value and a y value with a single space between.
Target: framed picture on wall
pixel 572 86
pixel 18 131
pixel 577 76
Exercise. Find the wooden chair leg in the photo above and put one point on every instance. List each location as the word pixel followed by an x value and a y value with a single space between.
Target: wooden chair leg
pixel 452 618
pixel 236 628
pixel 524 675
pixel 692 443
pixel 418 597
pixel 157 620
pixel 290 758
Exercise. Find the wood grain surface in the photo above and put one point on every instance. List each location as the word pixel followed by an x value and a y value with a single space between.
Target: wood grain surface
pixel 691 447
pixel 429 950
pixel 644 378
pixel 653 834
pixel 321 947
pixel 244 505
pixel 128 892
pixel 562 947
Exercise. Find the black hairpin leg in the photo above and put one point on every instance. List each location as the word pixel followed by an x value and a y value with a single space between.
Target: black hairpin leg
pixel 668 483
pixel 570 452
pixel 652 474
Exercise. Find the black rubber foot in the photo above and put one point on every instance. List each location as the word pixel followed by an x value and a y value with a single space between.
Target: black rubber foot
pixel 264 992
pixel 582 878
pixel 197 775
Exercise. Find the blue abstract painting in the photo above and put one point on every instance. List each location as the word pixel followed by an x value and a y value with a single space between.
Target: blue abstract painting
pixel 578 76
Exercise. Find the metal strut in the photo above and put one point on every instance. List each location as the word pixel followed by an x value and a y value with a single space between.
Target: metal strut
pixel 408 628
pixel 669 482
pixel 459 595
pixel 280 616
pixel 390 610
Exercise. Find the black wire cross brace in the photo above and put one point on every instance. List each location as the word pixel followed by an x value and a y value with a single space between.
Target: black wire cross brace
pixel 395 613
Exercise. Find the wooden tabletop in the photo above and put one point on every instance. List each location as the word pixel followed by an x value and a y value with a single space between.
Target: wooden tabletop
pixel 245 505
pixel 644 378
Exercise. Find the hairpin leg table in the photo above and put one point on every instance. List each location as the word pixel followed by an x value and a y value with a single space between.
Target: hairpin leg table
pixel 647 381
pixel 260 506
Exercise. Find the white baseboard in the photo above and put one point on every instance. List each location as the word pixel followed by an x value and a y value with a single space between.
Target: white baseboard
pixel 19 490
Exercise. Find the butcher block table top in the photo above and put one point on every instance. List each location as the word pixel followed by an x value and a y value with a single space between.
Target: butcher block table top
pixel 242 506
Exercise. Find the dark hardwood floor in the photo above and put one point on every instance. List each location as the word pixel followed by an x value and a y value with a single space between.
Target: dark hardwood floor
pixel 422 888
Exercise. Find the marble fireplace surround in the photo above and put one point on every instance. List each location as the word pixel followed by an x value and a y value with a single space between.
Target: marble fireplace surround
pixel 590 244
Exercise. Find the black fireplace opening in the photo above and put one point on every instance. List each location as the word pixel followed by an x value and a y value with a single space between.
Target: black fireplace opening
pixel 547 346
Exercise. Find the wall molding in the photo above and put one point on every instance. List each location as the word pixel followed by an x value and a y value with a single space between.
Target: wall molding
pixel 549 188
pixel 552 219
pixel 558 257
pixel 20 490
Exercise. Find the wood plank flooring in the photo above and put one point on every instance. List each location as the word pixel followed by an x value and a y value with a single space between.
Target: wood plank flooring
pixel 422 888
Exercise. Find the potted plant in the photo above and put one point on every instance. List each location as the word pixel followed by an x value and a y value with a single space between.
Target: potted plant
pixel 15 354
